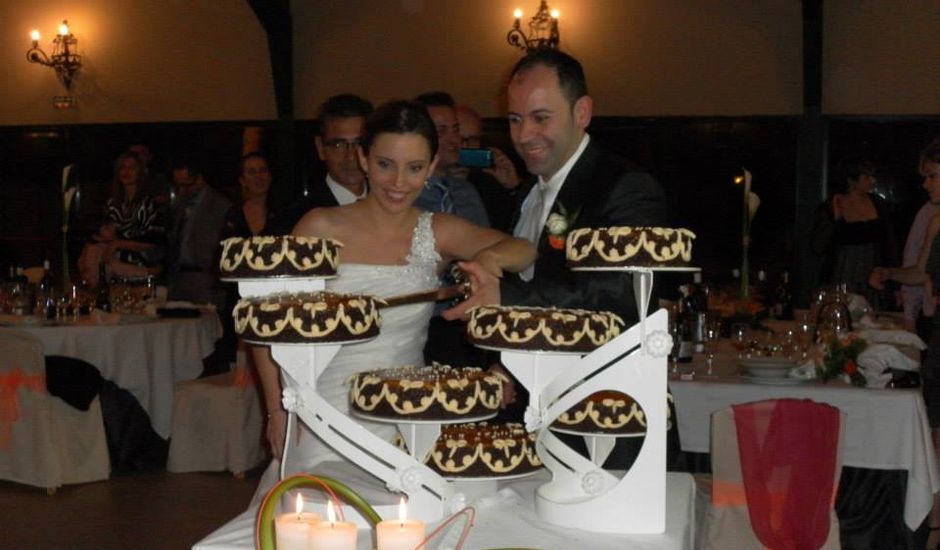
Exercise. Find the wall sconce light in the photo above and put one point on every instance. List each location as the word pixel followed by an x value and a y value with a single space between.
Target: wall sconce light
pixel 543 30
pixel 63 59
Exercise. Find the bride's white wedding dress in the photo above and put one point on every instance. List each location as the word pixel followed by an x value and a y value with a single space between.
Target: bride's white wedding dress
pixel 400 342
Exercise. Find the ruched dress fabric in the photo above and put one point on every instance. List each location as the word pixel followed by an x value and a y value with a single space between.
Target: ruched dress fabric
pixel 400 341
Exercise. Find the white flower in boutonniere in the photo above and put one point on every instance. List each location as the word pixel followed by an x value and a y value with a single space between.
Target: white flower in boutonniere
pixel 558 224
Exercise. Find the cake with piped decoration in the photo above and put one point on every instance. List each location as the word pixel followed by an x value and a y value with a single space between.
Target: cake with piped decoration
pixel 588 247
pixel 539 328
pixel 481 449
pixel 284 256
pixel 307 317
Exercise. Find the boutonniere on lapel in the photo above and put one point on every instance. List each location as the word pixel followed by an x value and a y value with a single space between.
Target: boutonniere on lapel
pixel 558 224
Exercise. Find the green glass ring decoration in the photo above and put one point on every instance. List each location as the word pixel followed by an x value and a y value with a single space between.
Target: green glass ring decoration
pixel 264 522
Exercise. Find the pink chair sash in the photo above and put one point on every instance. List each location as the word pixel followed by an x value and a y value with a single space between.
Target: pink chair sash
pixel 9 405
pixel 788 450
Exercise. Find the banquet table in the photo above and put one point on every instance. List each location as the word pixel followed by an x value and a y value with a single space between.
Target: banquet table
pixel 885 429
pixel 146 356
pixel 508 520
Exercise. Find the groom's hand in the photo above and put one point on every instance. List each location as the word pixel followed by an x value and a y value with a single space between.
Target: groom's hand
pixel 484 290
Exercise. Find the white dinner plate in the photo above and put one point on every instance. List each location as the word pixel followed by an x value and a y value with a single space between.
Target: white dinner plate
pixel 767 367
pixel 774 381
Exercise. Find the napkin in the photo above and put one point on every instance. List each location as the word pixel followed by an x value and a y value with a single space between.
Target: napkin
pixel 875 361
pixel 101 317
pixel 858 306
pixel 897 337
pixel 805 370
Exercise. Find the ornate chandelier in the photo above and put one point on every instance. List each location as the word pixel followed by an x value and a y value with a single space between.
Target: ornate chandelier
pixel 63 60
pixel 543 30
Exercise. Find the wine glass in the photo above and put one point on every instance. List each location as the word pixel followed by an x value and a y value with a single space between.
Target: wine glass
pixel 739 335
pixel 804 333
pixel 712 334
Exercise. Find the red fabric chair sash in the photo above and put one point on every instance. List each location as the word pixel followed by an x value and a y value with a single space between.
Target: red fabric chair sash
pixel 788 450
pixel 9 405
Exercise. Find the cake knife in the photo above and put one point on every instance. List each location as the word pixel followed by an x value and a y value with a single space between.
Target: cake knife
pixel 434 295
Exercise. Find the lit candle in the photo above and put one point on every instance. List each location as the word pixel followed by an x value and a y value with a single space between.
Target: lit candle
pixel 518 15
pixel 292 531
pixel 34 36
pixel 332 534
pixel 554 14
pixel 400 534
pixel 64 29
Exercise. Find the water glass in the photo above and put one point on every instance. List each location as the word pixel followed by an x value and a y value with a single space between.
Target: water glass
pixel 712 334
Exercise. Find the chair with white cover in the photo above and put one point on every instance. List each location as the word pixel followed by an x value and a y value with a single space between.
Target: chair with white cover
pixel 44 441
pixel 775 473
pixel 217 423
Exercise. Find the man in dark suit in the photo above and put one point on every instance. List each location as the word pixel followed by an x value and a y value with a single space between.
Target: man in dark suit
pixel 339 128
pixel 579 185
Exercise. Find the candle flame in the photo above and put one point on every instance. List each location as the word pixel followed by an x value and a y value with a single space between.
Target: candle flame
pixel 330 512
pixel 34 35
pixel 64 28
pixel 738 180
pixel 555 14
pixel 299 505
pixel 402 510
pixel 517 14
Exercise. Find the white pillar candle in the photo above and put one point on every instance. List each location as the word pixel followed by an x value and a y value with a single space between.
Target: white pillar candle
pixel 332 534
pixel 292 531
pixel 400 534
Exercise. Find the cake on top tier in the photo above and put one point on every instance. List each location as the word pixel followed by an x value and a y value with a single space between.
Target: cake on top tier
pixel 436 392
pixel 307 317
pixel 282 256
pixel 484 450
pixel 629 246
pixel 606 411
pixel 537 328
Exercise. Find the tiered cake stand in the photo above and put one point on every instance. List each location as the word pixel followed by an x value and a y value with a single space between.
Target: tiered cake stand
pixel 430 496
pixel 582 494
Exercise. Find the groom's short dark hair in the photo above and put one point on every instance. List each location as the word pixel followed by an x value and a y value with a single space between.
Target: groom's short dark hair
pixel 571 78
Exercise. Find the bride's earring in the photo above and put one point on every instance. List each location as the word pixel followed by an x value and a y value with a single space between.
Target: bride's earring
pixel 427 183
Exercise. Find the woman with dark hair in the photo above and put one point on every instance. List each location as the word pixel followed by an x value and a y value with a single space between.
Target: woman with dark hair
pixel 132 241
pixel 256 215
pixel 853 230
pixel 390 248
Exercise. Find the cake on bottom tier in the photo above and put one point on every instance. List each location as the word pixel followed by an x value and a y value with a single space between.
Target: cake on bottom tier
pixel 538 328
pixel 606 411
pixel 435 392
pixel 482 449
pixel 307 317
pixel 629 246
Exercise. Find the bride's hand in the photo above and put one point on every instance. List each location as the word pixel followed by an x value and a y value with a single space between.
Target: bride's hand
pixel 276 431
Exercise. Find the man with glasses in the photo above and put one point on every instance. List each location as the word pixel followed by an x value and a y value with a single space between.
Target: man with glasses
pixel 340 125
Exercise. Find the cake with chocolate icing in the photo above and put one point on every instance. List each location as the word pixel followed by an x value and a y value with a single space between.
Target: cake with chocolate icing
pixel 482 449
pixel 629 246
pixel 307 317
pixel 537 328
pixel 605 411
pixel 435 392
pixel 283 256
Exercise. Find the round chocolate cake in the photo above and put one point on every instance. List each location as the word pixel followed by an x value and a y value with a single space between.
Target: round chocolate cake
pixel 547 329
pixel 283 256
pixel 629 246
pixel 307 317
pixel 436 392
pixel 484 450
pixel 606 411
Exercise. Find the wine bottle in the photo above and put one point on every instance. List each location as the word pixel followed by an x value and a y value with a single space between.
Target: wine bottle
pixel 783 298
pixel 763 289
pixel 103 298
pixel 684 343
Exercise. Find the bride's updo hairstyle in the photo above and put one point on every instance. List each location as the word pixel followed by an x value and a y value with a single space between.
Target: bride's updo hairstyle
pixel 399 117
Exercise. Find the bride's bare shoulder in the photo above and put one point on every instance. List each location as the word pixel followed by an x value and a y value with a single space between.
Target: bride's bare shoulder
pixel 320 222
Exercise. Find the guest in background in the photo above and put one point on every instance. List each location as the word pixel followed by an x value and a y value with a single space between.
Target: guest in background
pixel 496 185
pixel 913 295
pixel 256 215
pixel 853 231
pixel 132 241
pixel 157 182
pixel 339 128
pixel 925 273
pixel 445 192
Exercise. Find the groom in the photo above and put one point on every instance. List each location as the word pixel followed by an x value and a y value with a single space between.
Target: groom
pixel 579 185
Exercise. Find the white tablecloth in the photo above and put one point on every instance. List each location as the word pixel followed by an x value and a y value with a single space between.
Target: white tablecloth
pixel 145 358
pixel 509 520
pixel 885 428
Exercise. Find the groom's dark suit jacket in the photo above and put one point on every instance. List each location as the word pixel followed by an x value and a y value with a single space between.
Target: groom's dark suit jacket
pixel 609 191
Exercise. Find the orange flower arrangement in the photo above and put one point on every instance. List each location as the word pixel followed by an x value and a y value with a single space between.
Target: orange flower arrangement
pixel 841 357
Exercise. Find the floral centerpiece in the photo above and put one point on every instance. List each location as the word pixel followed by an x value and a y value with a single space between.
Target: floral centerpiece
pixel 841 358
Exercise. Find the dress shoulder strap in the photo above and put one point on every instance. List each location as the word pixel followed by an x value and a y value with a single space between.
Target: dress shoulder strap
pixel 424 256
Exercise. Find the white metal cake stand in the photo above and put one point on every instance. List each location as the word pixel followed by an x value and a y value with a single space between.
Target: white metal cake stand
pixel 582 494
pixel 430 496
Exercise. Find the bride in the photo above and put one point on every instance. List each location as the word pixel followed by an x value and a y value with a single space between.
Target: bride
pixel 390 248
